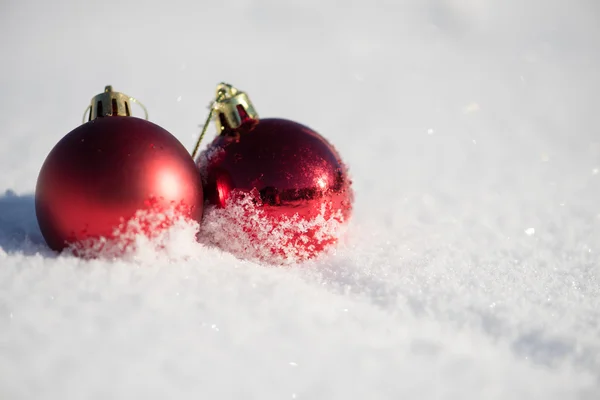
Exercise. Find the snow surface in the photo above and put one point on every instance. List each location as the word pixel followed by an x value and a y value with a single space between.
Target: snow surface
pixel 471 266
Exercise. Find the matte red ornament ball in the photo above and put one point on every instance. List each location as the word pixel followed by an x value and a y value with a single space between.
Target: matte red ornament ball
pixel 105 172
pixel 280 192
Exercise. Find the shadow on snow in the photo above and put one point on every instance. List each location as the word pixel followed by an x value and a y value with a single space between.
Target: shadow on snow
pixel 19 230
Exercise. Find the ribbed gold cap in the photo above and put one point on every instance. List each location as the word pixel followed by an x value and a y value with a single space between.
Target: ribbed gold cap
pixel 232 108
pixel 110 103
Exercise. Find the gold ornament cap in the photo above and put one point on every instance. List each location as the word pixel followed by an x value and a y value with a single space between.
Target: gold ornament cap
pixel 232 108
pixel 111 103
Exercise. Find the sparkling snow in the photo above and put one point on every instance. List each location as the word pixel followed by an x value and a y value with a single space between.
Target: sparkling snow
pixel 471 266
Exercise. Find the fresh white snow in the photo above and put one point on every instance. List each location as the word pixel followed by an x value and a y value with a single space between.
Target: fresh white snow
pixel 471 266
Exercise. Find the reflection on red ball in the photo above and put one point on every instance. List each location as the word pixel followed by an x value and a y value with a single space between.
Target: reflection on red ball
pixel 104 172
pixel 280 190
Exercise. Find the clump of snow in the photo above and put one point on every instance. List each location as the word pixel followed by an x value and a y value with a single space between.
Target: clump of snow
pixel 151 230
pixel 245 229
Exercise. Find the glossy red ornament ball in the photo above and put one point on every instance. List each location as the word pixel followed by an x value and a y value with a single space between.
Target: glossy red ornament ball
pixel 280 192
pixel 105 173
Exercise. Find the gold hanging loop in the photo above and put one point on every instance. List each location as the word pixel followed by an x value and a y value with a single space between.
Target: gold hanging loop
pixel 87 109
pixel 212 106
pixel 136 101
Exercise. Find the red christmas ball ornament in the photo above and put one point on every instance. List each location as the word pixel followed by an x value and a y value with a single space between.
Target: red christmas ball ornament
pixel 112 178
pixel 278 191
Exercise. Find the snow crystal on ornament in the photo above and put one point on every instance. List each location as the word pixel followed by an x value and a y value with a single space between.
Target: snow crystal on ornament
pixel 151 229
pixel 246 230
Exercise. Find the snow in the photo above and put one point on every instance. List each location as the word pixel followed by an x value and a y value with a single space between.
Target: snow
pixel 470 268
pixel 244 229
